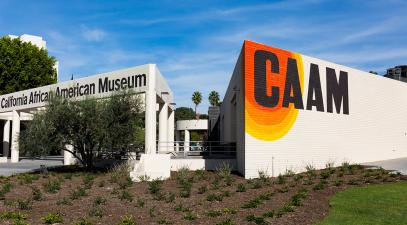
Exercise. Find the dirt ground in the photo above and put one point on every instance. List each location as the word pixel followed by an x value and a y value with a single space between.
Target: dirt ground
pixel 187 198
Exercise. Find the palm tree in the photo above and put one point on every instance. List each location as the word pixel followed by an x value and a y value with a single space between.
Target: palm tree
pixel 196 98
pixel 214 98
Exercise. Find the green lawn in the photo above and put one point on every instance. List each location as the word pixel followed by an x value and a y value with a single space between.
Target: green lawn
pixel 376 204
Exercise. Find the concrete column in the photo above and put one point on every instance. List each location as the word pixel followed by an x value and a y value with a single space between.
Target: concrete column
pixel 163 127
pixel 171 121
pixel 150 114
pixel 6 138
pixel 186 141
pixel 15 131
pixel 69 159
pixel 177 139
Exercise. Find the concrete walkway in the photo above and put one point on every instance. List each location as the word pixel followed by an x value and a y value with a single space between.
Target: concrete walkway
pixel 399 164
pixel 28 165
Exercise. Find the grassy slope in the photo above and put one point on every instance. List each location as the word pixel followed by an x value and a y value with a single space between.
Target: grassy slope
pixel 376 204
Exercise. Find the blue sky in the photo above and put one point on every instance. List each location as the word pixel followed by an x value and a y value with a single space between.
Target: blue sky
pixel 196 43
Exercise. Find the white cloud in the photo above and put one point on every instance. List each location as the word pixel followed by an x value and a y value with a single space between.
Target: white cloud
pixel 92 34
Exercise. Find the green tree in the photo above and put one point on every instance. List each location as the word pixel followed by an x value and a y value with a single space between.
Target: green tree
pixel 214 98
pixel 196 98
pixel 184 113
pixel 94 127
pixel 24 66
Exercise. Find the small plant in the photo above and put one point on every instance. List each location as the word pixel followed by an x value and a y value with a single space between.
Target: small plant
pixel 52 186
pixel 269 214
pixel 126 196
pixel 298 177
pixel 281 179
pixel 170 198
pixel 151 212
pixel 256 219
pixel 319 186
pixel 140 203
pixel 224 171
pixel 182 174
pixel 96 212
pixel 353 182
pixel 78 193
pixel 83 222
pixel 13 215
pixel 24 204
pixel 330 166
pixel 201 174
pixel 127 220
pixel 181 208
pixel 325 174
pixel 213 213
pixel 252 203
pixel 99 200
pixel 289 173
pixel 202 189
pixel 229 211
pixel 257 184
pixel 154 186
pixel 26 178
pixel 68 176
pixel 226 222
pixel 88 181
pixel 241 188
pixel 215 184
pixel 283 190
pixel 190 216
pixel 186 187
pixel 263 176
pixel 101 183
pixel 52 218
pixel 310 171
pixel 37 194
pixel 338 182
pixel 214 197
pixel 143 178
pixel 64 201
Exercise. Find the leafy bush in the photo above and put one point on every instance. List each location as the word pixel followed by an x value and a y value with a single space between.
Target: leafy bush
pixel 338 182
pixel 252 203
pixel 52 218
pixel 229 211
pixel 127 220
pixel 181 208
pixel 52 186
pixel 269 214
pixel 319 186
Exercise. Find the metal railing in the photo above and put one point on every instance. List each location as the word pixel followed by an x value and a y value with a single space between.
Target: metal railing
pixel 183 149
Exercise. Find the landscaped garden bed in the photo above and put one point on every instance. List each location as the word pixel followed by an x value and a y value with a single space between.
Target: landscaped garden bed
pixel 189 197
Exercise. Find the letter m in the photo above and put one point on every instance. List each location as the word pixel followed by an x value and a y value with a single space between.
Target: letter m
pixel 337 90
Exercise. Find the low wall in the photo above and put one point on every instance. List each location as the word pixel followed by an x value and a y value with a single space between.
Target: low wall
pixel 196 164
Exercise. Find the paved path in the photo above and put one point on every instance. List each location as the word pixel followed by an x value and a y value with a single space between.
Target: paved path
pixel 28 165
pixel 399 164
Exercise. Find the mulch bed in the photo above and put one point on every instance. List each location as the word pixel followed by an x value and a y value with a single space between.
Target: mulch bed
pixel 289 199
